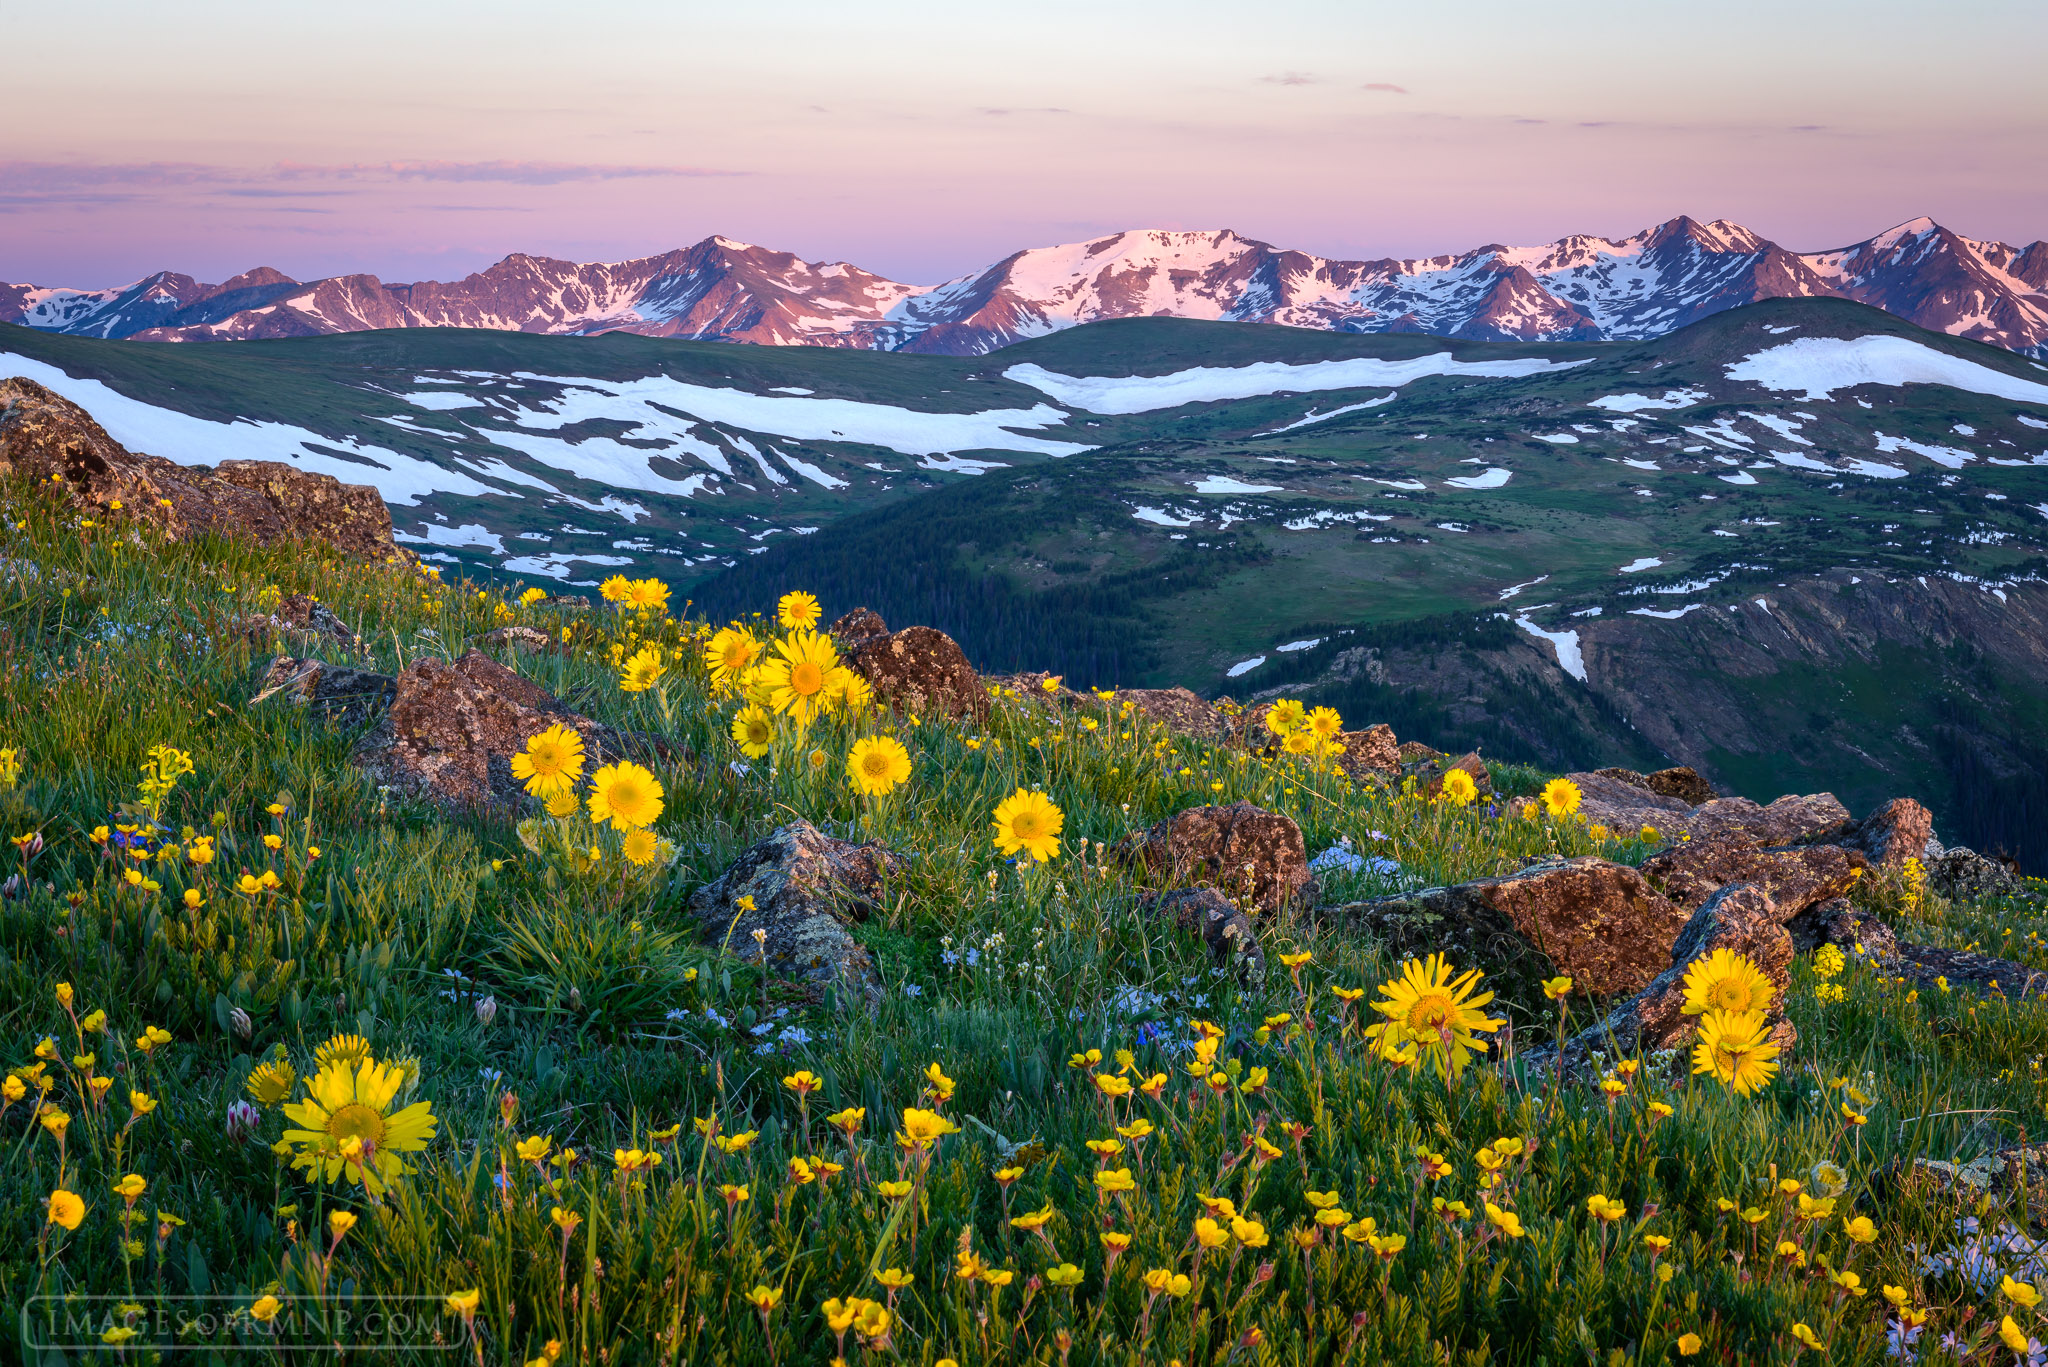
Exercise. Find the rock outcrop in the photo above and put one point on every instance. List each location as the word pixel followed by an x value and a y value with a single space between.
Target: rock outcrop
pixel 48 438
pixel 1242 850
pixel 1593 919
pixel 807 890
pixel 1741 918
pixel 304 621
pixel 1891 835
pixel 1794 879
pixel 1372 752
pixel 1232 940
pixel 335 693
pixel 857 628
pixel 1429 774
pixel 1962 875
pixel 1621 805
pixel 1180 711
pixel 920 670
pixel 451 730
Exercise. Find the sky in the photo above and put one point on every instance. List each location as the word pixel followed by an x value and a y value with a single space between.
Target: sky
pixel 926 140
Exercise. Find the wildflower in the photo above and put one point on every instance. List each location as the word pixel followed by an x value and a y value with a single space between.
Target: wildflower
pixel 66 1208
pixel 1725 981
pixel 1860 1230
pixel 346 1050
pixel 1812 1340
pixel 271 1082
pixel 1458 788
pixel 795 677
pixel 464 1303
pixel 848 1120
pixel 921 1129
pixel 1605 1208
pixel 152 1038
pixel 1689 1344
pixel 2012 1336
pixel 1560 797
pixel 1027 821
pixel 1506 1221
pixel 1435 1011
pixel 1737 1050
pixel 1387 1246
pixel 264 1308
pixel 641 847
pixel 1065 1275
pixel 347 1125
pixel 765 1298
pixel 895 1278
pixel 1165 1279
pixel 1209 1234
pixel 754 728
pixel 1557 989
pixel 642 671
pixel 1849 1282
pixel 1114 1181
pixel 551 762
pixel 877 765
pixel 1656 1243
pixel 626 795
pixel 2021 1294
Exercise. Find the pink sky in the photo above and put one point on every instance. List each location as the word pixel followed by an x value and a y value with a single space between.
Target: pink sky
pixel 927 140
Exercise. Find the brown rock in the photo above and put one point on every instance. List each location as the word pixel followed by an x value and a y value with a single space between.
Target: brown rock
pixel 1794 879
pixel 1598 921
pixel 1414 751
pixel 306 621
pixel 1179 710
pixel 451 730
pixel 335 693
pixel 857 628
pixel 808 890
pixel 1371 751
pixel 1894 833
pixel 1682 783
pixel 1921 965
pixel 518 637
pixel 1244 850
pixel 920 670
pixel 1033 686
pixel 1233 942
pixel 1429 774
pixel 1740 917
pixel 1836 922
pixel 1788 821
pixel 44 435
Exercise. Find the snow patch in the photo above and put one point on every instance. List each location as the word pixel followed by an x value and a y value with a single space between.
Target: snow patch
pixel 1491 478
pixel 1244 667
pixel 469 534
pixel 1224 484
pixel 1314 417
pixel 1566 643
pixel 1662 615
pixel 1558 438
pixel 1648 562
pixel 1819 366
pixel 1160 518
pixel 1210 384
pixel 1643 403
pixel 441 399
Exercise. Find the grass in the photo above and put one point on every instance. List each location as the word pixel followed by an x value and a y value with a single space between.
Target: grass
pixel 617 1025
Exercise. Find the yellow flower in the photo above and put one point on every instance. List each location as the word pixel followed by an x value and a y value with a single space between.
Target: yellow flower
pixel 765 1298
pixel 1437 1012
pixel 1725 981
pixel 464 1303
pixel 872 1322
pixel 66 1208
pixel 1689 1344
pixel 1112 1181
pixel 642 671
pixel 1286 717
pixel 895 1191
pixel 626 795
pixel 796 675
pixel 648 595
pixel 562 805
pixel 1736 1049
pixel 1506 1221
pixel 2021 1294
pixel 1388 1246
pixel 1065 1275
pixel 271 1082
pixel 848 1120
pixel 1812 1340
pixel 346 1124
pixel 616 589
pixel 730 653
pixel 1209 1234
pixel 2012 1336
pixel 1860 1230
pixel 1656 1243
pixel 551 762
pixel 1605 1207
pixel 797 611
pixel 641 847
pixel 921 1129
pixel 1028 821
pixel 534 1148
pixel 1250 1233
pixel 1560 797
pixel 1557 989
pixel 340 1222
pixel 1458 788
pixel 877 765
pixel 131 1187
pixel 264 1308
pixel 754 728
pixel 152 1038
pixel 347 1050
pixel 895 1278
pixel 1165 1279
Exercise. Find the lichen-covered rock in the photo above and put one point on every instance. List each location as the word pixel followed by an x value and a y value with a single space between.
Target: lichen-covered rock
pixel 1593 919
pixel 1963 875
pixel 451 730
pixel 1414 751
pixel 519 637
pixel 857 628
pixel 1930 966
pixel 1232 940
pixel 43 435
pixel 1891 835
pixel 306 621
pixel 1794 879
pixel 1681 782
pixel 1741 918
pixel 1373 751
pixel 335 693
pixel 807 890
pixel 1858 934
pixel 920 670
pixel 1178 710
pixel 2018 1170
pixel 1628 803
pixel 1243 850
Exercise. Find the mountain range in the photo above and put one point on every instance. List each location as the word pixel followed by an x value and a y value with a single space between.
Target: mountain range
pixel 1579 288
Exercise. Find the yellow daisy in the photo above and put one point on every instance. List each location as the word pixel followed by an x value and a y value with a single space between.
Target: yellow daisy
pixel 647 595
pixel 642 846
pixel 754 729
pixel 616 589
pixel 798 611
pixel 1029 821
pixel 797 673
pixel 1726 981
pixel 729 654
pixel 642 671
pixel 625 795
pixel 877 764
pixel 1325 723
pixel 1737 1049
pixel 1560 797
pixel 346 1125
pixel 551 762
pixel 1285 716
pixel 1434 1008
pixel 1458 788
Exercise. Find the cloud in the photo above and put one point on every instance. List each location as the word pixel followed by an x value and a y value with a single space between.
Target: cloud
pixel 1385 87
pixel 1290 78
pixel 500 172
pixel 31 177
pixel 1035 109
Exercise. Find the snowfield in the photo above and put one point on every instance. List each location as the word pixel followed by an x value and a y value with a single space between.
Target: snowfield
pixel 1821 365
pixel 1644 403
pixel 1566 643
pixel 1124 394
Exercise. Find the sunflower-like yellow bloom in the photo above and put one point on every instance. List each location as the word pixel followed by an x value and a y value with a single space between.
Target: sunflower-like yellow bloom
pixel 1737 1049
pixel 730 653
pixel 270 1083
pixel 642 847
pixel 1434 1008
pixel 647 595
pixel 1029 821
pixel 626 795
pixel 796 675
pixel 754 729
pixel 551 762
pixel 798 611
pixel 877 765
pixel 346 1125
pixel 1560 797
pixel 642 671
pixel 617 589
pixel 1458 788
pixel 1325 723
pixel 343 1050
pixel 1726 981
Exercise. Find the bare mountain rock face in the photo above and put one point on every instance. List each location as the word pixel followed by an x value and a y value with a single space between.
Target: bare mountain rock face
pixel 1598 921
pixel 920 670
pixel 451 730
pixel 1242 850
pixel 807 891
pixel 1794 879
pixel 1741 918
pixel 50 439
